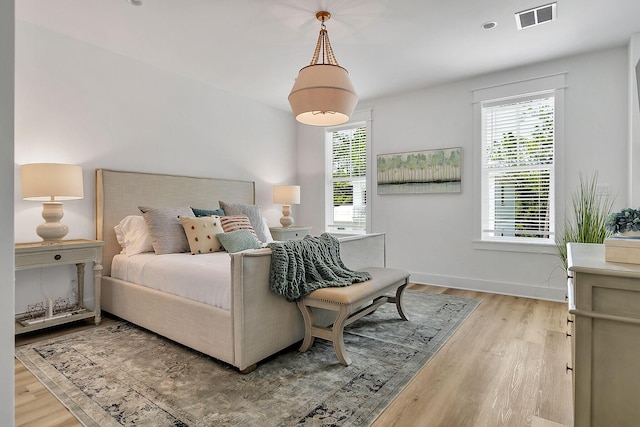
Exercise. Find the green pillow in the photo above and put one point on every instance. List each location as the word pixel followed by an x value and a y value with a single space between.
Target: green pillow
pixel 207 212
pixel 239 240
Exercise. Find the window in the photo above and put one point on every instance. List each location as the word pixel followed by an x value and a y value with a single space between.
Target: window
pixel 348 179
pixel 518 145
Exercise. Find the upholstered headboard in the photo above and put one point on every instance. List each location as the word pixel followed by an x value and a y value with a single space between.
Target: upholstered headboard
pixel 119 194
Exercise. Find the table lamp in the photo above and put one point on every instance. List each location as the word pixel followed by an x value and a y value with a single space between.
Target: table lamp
pixel 286 195
pixel 50 183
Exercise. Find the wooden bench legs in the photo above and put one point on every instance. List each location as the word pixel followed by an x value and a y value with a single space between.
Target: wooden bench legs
pixel 346 316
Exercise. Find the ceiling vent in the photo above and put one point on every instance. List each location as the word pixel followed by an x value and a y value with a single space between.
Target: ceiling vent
pixel 536 16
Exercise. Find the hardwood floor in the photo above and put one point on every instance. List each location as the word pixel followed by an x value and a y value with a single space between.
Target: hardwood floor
pixel 505 366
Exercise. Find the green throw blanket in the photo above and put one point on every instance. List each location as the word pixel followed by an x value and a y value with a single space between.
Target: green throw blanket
pixel 299 267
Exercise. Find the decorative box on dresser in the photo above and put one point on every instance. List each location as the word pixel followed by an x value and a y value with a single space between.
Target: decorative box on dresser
pixel 604 299
pixel 289 233
pixel 66 252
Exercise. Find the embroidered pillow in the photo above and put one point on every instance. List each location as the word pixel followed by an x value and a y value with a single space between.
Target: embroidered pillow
pixel 239 240
pixel 201 233
pixel 207 212
pixel 165 228
pixel 252 212
pixel 237 222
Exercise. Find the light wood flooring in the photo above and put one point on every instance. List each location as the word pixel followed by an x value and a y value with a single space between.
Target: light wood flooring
pixel 505 366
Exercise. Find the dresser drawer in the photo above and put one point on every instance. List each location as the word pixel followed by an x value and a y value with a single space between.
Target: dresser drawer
pixel 55 257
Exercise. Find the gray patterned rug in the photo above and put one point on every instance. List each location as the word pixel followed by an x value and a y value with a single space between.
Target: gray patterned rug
pixel 123 375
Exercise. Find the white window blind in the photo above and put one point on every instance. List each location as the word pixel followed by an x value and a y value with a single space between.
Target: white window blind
pixel 518 169
pixel 348 180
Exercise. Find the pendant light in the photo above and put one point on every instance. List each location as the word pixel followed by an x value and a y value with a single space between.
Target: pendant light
pixel 323 94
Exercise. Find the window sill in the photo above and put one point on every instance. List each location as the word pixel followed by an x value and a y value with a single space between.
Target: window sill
pixel 536 248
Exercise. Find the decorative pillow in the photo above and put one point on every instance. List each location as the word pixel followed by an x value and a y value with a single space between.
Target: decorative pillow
pixel 133 235
pixel 239 240
pixel 207 212
pixel 251 211
pixel 237 222
pixel 165 228
pixel 201 233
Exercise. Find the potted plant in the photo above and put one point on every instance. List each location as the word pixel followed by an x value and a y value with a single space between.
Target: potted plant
pixel 585 223
pixel 625 223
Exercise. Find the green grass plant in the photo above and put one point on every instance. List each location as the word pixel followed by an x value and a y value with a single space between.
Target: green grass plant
pixel 586 221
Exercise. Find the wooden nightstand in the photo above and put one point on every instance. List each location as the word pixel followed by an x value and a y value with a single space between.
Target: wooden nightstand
pixel 78 252
pixel 289 233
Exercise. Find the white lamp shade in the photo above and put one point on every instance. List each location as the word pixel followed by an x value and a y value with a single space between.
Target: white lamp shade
pixel 323 95
pixel 51 181
pixel 286 194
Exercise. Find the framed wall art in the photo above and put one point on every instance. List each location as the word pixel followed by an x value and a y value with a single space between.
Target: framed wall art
pixel 416 172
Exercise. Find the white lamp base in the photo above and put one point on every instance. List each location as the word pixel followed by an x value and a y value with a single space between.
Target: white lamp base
pixel 52 229
pixel 286 220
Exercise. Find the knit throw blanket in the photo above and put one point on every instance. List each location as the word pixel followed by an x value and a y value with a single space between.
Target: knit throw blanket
pixel 299 267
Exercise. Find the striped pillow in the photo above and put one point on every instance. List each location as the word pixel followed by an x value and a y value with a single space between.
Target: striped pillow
pixel 237 222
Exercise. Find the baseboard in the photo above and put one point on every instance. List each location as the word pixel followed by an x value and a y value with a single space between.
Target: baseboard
pixel 493 287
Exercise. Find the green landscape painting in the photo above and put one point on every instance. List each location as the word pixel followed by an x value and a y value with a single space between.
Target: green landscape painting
pixel 430 171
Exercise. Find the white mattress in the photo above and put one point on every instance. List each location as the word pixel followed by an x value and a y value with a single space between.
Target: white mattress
pixel 205 278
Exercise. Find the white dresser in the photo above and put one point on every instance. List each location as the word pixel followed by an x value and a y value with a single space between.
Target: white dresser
pixel 604 299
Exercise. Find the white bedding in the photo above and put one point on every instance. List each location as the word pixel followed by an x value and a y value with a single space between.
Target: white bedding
pixel 205 278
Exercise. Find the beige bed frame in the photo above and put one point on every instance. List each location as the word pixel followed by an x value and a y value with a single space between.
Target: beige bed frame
pixel 259 323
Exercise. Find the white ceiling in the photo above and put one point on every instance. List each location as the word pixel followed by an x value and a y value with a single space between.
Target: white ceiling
pixel 255 48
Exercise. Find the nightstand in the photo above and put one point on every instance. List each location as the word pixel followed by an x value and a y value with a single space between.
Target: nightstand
pixel 289 233
pixel 42 255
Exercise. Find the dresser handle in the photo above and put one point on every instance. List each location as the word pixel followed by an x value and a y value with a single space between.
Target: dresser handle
pixel 568 334
pixel 57 257
pixel 569 320
pixel 568 368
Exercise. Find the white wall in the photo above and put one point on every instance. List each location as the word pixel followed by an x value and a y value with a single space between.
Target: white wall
pixel 7 403
pixel 82 105
pixel 432 235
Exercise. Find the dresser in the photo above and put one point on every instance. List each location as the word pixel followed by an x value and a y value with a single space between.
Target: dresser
pixel 66 252
pixel 604 301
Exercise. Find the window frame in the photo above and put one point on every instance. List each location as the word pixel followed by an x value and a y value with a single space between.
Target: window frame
pixel 359 119
pixel 508 93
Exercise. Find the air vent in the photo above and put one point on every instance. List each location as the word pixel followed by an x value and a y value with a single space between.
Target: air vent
pixel 536 16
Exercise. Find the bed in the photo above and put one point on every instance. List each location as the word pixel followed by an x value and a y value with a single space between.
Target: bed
pixel 257 323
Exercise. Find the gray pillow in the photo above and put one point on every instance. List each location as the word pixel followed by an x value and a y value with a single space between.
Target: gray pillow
pixel 251 211
pixel 165 228
pixel 239 240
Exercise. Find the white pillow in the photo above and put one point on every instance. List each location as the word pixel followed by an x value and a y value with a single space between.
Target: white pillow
pixel 265 231
pixel 133 235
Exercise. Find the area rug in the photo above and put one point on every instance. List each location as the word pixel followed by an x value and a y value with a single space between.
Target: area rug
pixel 121 374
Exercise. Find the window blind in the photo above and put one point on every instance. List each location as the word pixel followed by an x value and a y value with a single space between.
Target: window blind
pixel 518 168
pixel 349 179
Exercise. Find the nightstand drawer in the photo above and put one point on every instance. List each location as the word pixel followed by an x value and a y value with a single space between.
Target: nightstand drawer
pixel 59 257
pixel 38 255
pixel 290 233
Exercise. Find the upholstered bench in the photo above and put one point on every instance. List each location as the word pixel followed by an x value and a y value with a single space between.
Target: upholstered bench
pixel 348 302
